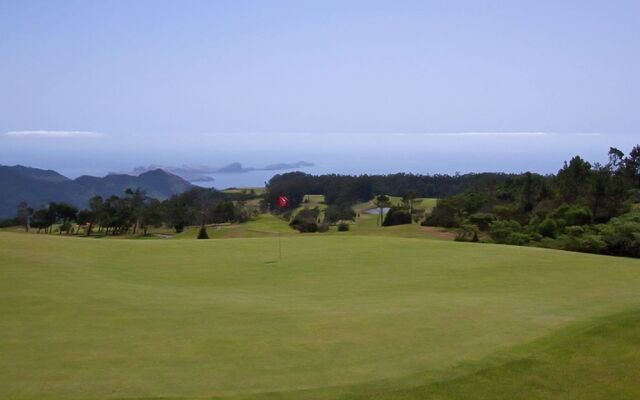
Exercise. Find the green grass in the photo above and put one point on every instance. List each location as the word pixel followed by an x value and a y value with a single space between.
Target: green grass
pixel 265 225
pixel 422 203
pixel 337 317
pixel 595 360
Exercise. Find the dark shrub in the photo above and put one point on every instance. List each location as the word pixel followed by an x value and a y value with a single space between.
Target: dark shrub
pixel 548 228
pixel 397 216
pixel 467 233
pixel 342 212
pixel 306 227
pixel 343 227
pixel 517 239
pixel 500 230
pixel 202 234
pixel 305 221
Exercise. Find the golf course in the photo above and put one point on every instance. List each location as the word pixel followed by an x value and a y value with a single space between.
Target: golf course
pixel 333 316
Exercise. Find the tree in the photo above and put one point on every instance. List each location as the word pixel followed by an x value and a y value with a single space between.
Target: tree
pixel 335 213
pixel 117 215
pixel 616 158
pixel 632 167
pixel 136 199
pixel 40 220
pixel 24 214
pixel 86 218
pixel 382 201
pixel 202 233
pixel 527 192
pixel 573 180
pixel 96 208
pixel 150 215
pixel 409 198
pixel 177 213
pixel 51 216
pixel 67 213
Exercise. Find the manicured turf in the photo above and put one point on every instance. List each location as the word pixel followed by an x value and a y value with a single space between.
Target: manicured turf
pixel 337 317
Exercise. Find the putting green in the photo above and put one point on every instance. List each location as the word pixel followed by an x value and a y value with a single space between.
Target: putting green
pixel 336 316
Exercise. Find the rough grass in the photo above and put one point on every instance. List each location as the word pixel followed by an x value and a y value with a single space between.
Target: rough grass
pixel 337 316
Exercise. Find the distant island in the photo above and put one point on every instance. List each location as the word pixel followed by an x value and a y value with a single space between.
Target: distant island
pixel 201 173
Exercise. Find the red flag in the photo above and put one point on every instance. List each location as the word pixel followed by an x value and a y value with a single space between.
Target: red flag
pixel 283 201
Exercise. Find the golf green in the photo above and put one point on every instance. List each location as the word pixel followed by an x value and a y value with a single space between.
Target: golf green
pixel 336 316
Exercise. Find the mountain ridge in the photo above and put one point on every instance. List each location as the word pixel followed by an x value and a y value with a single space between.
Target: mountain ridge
pixel 40 186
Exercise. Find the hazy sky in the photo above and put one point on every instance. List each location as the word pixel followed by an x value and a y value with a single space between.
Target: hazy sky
pixel 354 86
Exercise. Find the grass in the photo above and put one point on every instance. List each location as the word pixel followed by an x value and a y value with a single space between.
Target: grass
pixel 257 190
pixel 265 225
pixel 337 317
pixel 599 359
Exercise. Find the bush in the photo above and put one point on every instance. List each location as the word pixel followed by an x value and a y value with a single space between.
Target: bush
pixel 622 235
pixel 500 230
pixel 517 239
pixel 482 220
pixel 443 214
pixel 548 228
pixel 343 227
pixel 306 227
pixel 335 213
pixel 305 221
pixel 397 216
pixel 467 233
pixel 572 215
pixel 574 231
pixel 202 234
pixel 585 243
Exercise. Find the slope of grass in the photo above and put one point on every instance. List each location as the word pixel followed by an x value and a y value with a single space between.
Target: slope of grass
pixel 595 360
pixel 336 316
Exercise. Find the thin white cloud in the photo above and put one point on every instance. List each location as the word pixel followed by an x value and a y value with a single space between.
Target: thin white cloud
pixel 54 134
pixel 494 134
pixel 516 134
pixel 503 134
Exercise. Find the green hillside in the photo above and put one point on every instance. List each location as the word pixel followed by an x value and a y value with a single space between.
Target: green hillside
pixel 351 316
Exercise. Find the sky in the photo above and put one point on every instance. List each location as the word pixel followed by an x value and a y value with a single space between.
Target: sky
pixel 352 86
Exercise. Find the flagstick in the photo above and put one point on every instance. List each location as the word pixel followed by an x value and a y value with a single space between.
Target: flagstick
pixel 279 247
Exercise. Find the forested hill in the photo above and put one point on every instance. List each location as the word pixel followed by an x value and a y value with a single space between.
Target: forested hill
pixel 38 187
pixel 586 207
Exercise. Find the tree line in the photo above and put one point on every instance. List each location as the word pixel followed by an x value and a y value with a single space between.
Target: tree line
pixel 349 189
pixel 135 212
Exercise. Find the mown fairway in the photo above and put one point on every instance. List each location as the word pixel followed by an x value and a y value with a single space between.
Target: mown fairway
pixel 338 317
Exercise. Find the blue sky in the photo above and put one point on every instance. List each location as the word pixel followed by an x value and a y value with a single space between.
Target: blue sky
pixel 430 86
